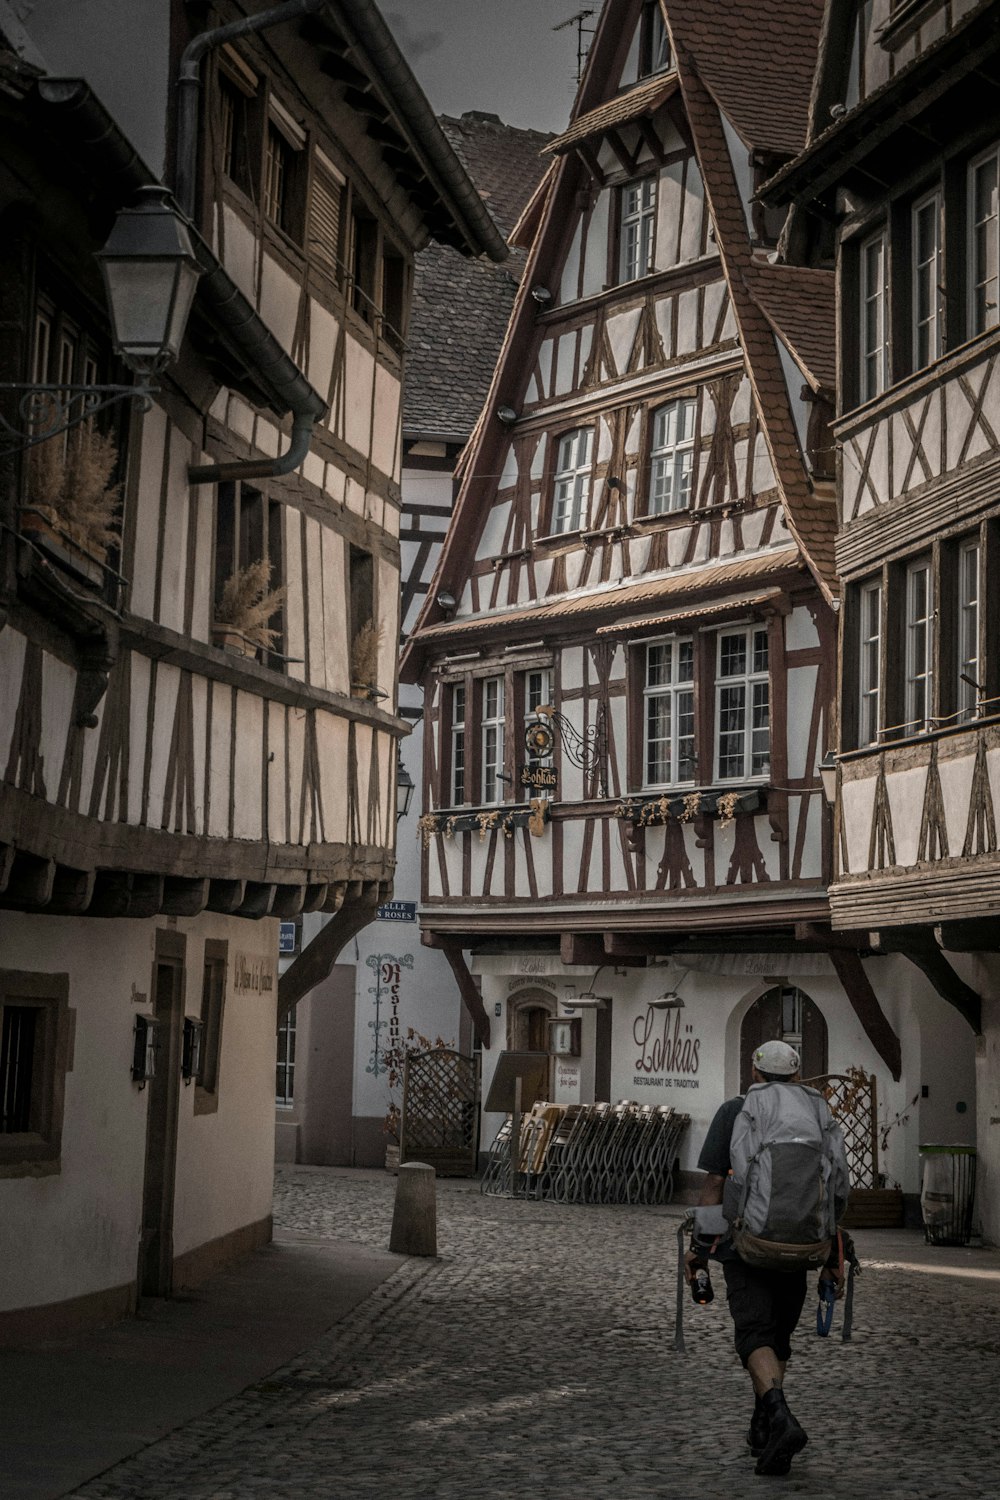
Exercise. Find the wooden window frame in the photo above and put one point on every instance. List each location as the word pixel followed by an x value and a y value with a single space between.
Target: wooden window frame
pixel 919 623
pixel 654 41
pixel 248 527
pixel 497 723
pixel 868 692
pixel 672 452
pixel 579 510
pixel 673 690
pixel 287 1031
pixel 645 215
pixel 458 736
pixel 215 983
pixel 749 679
pixel 524 714
pixel 990 309
pixel 880 350
pixel 933 320
pixel 37 1151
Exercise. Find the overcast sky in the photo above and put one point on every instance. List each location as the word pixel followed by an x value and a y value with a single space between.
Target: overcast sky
pixel 501 56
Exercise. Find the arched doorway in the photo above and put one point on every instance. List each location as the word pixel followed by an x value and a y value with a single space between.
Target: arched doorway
pixel 788 1014
pixel 528 1014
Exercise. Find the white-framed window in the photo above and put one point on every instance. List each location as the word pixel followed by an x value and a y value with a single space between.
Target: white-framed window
pixel 457 790
pixel 671 458
pixel 968 630
pixel 874 307
pixel 491 726
pixel 869 664
pixel 284 1074
pixel 637 228
pixel 743 705
pixel 984 256
pixel 537 694
pixel 919 645
pixel 926 279
pixel 668 713
pixel 571 489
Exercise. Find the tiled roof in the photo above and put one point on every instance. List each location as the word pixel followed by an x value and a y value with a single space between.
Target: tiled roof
pixel 643 99
pixel 756 60
pixel 630 594
pixel 461 307
pixel 799 304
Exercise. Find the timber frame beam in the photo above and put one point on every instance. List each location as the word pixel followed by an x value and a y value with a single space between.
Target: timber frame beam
pixel 919 946
pixel 467 987
pixel 858 988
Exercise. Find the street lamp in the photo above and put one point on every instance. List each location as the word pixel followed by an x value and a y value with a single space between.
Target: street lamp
pixel 404 789
pixel 828 776
pixel 150 273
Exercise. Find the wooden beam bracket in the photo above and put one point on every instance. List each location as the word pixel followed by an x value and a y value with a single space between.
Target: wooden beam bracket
pixel 858 988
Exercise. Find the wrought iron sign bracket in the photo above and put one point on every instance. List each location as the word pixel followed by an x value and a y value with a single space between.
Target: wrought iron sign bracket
pixel 587 750
pixel 46 411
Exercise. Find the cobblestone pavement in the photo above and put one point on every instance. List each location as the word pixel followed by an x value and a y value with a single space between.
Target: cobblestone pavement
pixel 534 1358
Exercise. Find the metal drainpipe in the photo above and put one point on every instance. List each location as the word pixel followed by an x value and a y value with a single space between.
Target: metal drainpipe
pixel 189 86
pixel 188 98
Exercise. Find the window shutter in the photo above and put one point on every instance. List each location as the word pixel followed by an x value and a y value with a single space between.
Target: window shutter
pixel 324 221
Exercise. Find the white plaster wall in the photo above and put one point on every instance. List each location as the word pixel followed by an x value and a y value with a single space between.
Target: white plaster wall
pixel 225 1160
pixel 77 1231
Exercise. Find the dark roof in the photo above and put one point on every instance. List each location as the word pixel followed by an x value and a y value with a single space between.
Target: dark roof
pixel 644 98
pixel 756 60
pixel 461 307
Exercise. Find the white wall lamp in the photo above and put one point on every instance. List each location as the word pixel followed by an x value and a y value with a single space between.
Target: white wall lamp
pixel 828 776
pixel 670 999
pixel 507 415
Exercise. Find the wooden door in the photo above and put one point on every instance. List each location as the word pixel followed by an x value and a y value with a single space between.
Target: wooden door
pixel 156 1244
pixel 785 1014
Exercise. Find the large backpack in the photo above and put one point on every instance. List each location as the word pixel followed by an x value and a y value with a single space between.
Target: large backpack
pixel 789 1180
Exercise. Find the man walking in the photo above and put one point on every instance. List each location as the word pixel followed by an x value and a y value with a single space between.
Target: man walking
pixel 765 1304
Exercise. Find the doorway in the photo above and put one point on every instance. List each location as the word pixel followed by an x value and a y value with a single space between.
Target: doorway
pixel 784 1013
pixel 156 1242
pixel 528 1014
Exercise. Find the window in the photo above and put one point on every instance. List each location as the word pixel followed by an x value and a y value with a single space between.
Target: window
pixel 236 126
pixel 869 677
pixel 362 623
pixel 968 631
pixel 277 175
pixel 284 1079
pixel 926 279
pixel 671 460
pixel 248 567
pixel 919 635
pixel 668 713
pixel 491 732
pixel 654 44
pixel 571 493
pixel 874 319
pixel 983 241
pixel 457 744
pixel 34 1057
pixel 364 264
pixel 637 228
pixel 213 998
pixel 743 705
pixel 538 693
pixel 326 204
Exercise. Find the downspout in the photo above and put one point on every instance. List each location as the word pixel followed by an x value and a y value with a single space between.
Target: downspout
pixel 303 405
pixel 189 86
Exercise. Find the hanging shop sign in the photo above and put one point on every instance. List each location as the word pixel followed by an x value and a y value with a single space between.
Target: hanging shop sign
pixel 539 778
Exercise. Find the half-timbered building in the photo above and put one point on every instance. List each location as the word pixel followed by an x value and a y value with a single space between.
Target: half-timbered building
pixel 198 609
pixel 640 578
pixel 388 991
pixel 898 188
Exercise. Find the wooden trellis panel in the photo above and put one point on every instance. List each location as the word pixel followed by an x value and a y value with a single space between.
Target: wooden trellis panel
pixel 852 1100
pixel 440 1116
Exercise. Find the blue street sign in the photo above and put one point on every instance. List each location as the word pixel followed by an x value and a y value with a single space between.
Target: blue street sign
pixel 286 938
pixel 398 911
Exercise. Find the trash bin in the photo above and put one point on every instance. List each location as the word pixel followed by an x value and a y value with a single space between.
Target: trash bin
pixel 947 1193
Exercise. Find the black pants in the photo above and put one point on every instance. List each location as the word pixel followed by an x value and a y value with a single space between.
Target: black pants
pixel 765 1306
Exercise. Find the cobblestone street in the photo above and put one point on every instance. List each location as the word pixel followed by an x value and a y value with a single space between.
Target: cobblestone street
pixel 534 1357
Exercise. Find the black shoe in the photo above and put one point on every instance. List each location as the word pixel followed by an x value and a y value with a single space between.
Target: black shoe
pixel 785 1437
pixel 757 1435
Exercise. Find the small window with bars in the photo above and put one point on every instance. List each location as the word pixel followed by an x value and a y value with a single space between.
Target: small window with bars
pixel 284 1076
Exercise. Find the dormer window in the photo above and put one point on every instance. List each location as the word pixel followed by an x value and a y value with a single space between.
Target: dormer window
pixel 654 44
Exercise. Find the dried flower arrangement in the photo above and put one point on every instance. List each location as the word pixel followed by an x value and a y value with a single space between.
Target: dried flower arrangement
pixel 727 808
pixel 69 486
pixel 364 656
pixel 248 602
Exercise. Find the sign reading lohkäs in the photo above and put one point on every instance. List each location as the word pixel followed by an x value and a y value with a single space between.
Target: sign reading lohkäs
pixel 540 778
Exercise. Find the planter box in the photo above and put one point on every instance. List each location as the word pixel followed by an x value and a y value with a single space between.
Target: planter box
pixel 61 549
pixel 230 639
pixel 874 1208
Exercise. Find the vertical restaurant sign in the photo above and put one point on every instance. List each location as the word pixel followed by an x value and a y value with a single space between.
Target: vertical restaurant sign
pixel 668 1052
pixel 387 970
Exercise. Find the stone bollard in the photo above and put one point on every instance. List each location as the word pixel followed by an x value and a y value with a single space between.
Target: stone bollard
pixel 414 1216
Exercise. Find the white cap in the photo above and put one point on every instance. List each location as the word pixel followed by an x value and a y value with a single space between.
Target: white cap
pixel 777 1057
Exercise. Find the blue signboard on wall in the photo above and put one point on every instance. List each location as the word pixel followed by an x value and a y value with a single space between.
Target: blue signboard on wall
pixel 398 911
pixel 286 937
